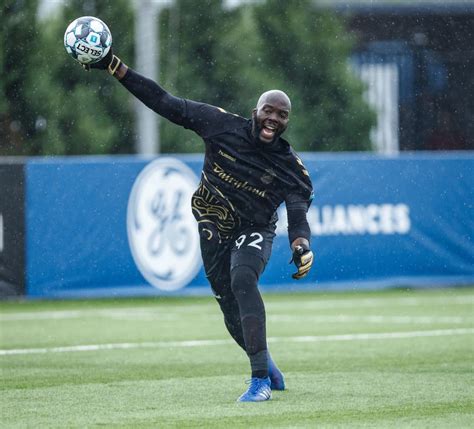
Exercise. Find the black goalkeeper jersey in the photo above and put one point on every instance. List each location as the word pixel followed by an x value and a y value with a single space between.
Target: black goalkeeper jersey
pixel 243 180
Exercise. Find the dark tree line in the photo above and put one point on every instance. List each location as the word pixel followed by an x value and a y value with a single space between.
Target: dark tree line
pixel 49 105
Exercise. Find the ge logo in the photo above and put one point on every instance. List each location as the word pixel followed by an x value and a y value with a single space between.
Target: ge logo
pixel 162 232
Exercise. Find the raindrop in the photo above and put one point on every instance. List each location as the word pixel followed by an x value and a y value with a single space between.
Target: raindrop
pixel 15 126
pixel 420 39
pixel 41 123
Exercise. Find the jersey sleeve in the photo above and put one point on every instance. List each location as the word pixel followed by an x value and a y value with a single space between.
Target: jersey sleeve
pixel 155 97
pixel 297 207
pixel 298 200
pixel 204 119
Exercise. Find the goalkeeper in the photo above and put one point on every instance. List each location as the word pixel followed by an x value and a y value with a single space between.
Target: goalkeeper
pixel 249 170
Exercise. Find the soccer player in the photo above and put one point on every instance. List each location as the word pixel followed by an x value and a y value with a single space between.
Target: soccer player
pixel 249 170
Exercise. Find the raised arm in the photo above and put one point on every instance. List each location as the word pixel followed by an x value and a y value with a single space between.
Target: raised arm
pixel 155 97
pixel 202 118
pixel 146 90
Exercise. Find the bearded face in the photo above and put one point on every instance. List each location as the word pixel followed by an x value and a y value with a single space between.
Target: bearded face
pixel 271 116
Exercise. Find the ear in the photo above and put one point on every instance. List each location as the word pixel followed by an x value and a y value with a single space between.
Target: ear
pixel 254 111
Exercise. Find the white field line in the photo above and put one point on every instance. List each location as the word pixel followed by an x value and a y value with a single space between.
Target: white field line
pixel 133 314
pixel 377 302
pixel 201 343
pixel 371 319
pixel 277 318
pixel 169 312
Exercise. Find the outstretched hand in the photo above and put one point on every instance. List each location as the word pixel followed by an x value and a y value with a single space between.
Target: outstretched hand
pixel 111 63
pixel 303 259
pixel 103 64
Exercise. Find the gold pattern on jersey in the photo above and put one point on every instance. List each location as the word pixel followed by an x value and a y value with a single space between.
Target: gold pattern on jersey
pixel 305 172
pixel 226 155
pixel 207 208
pixel 209 232
pixel 238 184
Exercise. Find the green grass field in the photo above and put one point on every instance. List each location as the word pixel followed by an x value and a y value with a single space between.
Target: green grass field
pixel 373 359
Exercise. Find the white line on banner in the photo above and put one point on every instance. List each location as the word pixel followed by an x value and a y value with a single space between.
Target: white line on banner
pixel 201 343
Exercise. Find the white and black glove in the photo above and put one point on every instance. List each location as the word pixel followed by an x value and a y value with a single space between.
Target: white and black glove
pixel 303 259
pixel 110 63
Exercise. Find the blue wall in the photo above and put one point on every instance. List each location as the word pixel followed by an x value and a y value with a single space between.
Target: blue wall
pixel 376 222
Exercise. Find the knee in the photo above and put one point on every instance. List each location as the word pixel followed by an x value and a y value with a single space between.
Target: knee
pixel 243 279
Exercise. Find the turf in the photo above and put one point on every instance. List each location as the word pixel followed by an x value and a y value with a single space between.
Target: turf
pixel 399 359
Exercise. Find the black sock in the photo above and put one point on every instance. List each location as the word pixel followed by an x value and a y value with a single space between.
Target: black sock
pixel 259 364
pixel 252 312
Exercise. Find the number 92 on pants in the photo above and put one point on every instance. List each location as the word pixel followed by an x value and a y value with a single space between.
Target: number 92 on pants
pixel 252 241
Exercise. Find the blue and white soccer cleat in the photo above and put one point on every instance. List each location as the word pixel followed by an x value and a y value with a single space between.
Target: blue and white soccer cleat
pixel 258 391
pixel 277 379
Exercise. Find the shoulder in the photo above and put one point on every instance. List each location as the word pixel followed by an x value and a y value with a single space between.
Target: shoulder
pixel 301 174
pixel 292 157
pixel 198 109
pixel 225 121
pixel 232 117
pixel 211 120
pixel 299 163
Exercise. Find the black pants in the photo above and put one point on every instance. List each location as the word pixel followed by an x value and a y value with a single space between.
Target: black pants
pixel 233 268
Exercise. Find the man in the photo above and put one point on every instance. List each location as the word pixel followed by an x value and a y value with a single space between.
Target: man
pixel 249 170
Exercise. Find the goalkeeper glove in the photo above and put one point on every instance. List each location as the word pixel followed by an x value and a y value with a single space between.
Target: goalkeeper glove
pixel 303 259
pixel 110 62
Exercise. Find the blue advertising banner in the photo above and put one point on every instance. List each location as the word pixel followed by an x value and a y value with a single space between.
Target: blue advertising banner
pixel 122 226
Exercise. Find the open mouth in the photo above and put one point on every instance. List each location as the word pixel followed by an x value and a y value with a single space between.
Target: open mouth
pixel 268 132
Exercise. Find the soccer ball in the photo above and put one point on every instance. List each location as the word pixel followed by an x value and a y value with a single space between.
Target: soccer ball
pixel 87 39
